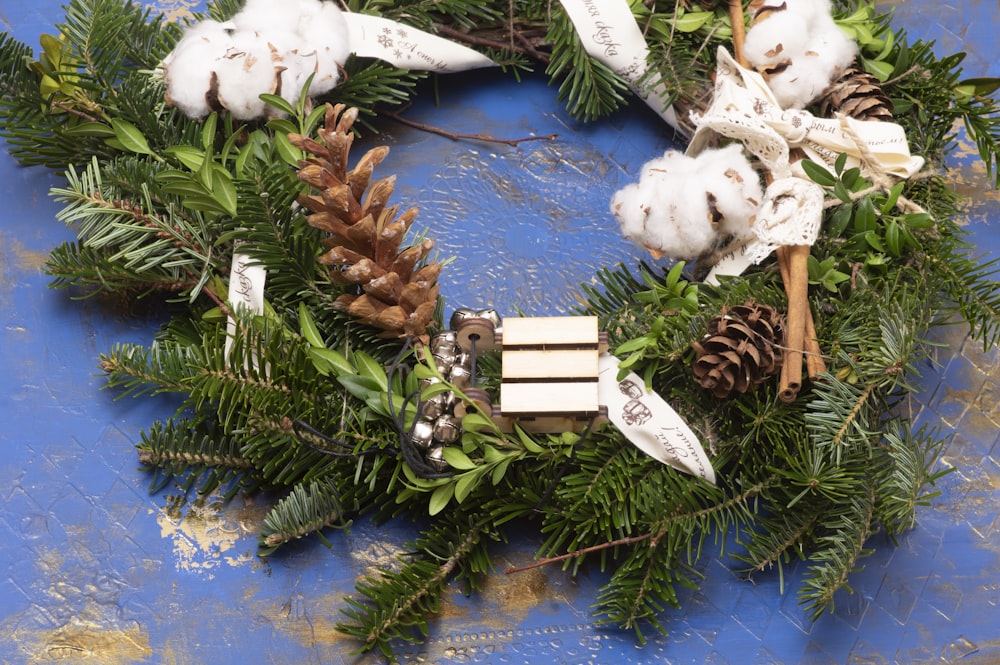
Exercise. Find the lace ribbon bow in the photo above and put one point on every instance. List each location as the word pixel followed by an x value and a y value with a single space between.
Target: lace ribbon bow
pixel 745 109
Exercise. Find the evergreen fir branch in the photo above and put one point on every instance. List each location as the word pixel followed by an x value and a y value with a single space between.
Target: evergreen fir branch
pixel 162 367
pixel 842 417
pixel 368 84
pixel 423 13
pixel 305 510
pixel 113 37
pixel 74 265
pixel 398 604
pixel 644 584
pixel 903 473
pixel 839 552
pixel 971 285
pixel 780 535
pixel 590 88
pixel 140 241
pixel 192 451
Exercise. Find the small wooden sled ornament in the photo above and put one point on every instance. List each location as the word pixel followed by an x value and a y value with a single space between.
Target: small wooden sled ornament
pixel 549 370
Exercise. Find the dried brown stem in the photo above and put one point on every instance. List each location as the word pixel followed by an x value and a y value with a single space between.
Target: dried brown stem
pixel 578 553
pixel 459 136
pixel 525 45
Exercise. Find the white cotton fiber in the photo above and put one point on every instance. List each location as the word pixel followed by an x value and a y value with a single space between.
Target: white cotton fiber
pixel 776 39
pixel 734 184
pixel 270 46
pixel 813 50
pixel 325 35
pixel 835 50
pixel 245 72
pixel 814 12
pixel 185 73
pixel 682 206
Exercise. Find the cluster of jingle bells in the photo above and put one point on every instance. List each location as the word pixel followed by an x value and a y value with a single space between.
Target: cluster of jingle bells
pixel 454 352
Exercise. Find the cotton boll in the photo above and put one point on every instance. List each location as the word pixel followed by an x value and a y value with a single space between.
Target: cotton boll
pixel 834 49
pixel 734 185
pixel 666 212
pixel 778 39
pixel 800 83
pixel 679 221
pixel 672 162
pixel 243 73
pixel 812 11
pixel 267 16
pixel 187 70
pixel 630 208
pixel 325 34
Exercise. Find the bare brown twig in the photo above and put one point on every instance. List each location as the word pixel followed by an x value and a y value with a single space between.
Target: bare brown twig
pixel 459 136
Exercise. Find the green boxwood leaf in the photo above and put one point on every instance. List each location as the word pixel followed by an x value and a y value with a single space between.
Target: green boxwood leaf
pixel 440 498
pixel 457 459
pixel 818 173
pixel 129 136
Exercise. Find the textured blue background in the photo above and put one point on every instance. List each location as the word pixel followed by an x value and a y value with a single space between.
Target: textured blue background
pixel 95 569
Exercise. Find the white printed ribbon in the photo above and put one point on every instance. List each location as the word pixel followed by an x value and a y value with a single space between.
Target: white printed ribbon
pixel 610 34
pixel 409 48
pixel 745 109
pixel 649 422
pixel 246 292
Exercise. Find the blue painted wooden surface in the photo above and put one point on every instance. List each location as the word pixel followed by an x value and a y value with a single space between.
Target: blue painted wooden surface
pixel 95 569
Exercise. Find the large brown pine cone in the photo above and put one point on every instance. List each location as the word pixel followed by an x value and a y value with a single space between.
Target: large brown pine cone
pixel 399 289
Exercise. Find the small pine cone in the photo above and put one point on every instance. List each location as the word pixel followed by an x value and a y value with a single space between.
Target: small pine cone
pixel 857 94
pixel 393 288
pixel 740 350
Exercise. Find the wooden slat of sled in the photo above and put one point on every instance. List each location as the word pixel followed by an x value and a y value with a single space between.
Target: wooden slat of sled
pixel 555 365
pixel 549 331
pixel 550 398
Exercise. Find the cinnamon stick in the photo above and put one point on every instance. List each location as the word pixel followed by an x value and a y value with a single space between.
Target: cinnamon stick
pixel 815 365
pixel 739 31
pixel 795 326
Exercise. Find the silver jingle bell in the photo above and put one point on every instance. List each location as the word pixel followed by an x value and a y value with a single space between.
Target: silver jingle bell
pixel 438 405
pixel 462 314
pixel 463 359
pixel 423 434
pixel 444 360
pixel 490 315
pixel 460 377
pixel 428 382
pixel 446 341
pixel 435 457
pixel 446 430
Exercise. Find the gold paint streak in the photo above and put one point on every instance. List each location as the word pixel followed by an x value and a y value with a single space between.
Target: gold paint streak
pixel 208 530
pixel 91 643
pixel 174 10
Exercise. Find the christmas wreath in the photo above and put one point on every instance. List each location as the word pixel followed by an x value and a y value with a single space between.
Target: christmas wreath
pixel 210 156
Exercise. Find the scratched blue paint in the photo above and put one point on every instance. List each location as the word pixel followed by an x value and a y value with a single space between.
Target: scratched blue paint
pixel 90 560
